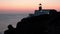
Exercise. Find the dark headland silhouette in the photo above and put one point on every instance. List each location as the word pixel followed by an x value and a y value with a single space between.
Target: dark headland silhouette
pixel 44 23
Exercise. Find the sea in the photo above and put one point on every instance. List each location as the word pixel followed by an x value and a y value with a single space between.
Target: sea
pixel 6 19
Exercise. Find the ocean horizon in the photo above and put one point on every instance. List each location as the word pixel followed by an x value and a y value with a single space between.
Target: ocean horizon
pixel 6 19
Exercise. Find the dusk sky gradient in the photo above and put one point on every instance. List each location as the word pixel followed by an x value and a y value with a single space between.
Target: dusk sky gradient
pixel 27 6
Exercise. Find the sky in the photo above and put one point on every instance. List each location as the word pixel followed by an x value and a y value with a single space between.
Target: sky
pixel 26 6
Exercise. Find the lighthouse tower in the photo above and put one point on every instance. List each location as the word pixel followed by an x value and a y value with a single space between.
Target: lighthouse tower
pixel 40 7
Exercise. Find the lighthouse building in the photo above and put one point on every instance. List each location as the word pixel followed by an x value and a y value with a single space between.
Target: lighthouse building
pixel 42 11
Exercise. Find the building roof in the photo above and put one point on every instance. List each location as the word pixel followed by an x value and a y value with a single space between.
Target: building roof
pixel 48 9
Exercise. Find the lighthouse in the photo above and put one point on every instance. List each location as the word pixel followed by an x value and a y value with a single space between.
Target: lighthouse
pixel 41 11
pixel 40 7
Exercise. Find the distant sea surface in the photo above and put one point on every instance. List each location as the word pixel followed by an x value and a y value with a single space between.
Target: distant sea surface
pixel 6 19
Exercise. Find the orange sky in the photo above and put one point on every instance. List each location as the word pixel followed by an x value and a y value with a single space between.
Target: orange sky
pixel 27 6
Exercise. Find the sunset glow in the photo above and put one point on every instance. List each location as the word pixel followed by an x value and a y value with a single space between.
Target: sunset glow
pixel 27 6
